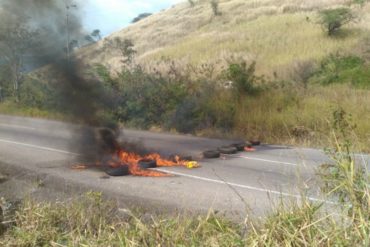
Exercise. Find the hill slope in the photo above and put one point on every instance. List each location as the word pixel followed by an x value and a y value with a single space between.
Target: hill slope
pixel 274 33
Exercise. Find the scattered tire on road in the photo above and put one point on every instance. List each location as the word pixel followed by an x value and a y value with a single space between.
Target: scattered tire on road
pixel 228 150
pixel 239 146
pixel 118 172
pixel 255 143
pixel 211 154
pixel 145 164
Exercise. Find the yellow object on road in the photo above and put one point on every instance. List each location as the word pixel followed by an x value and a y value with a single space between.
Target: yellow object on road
pixel 192 164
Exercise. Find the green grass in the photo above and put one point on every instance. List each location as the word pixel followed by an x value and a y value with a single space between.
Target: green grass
pixel 12 108
pixel 92 222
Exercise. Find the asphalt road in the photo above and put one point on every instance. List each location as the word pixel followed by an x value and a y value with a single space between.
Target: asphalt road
pixel 227 184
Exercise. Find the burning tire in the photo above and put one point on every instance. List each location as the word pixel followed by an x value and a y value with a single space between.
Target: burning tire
pixel 145 164
pixel 239 146
pixel 211 154
pixel 119 171
pixel 228 150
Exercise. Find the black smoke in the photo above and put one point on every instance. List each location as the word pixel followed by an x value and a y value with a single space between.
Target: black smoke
pixel 59 29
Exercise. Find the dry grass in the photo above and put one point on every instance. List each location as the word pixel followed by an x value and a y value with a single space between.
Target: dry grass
pixel 272 32
pixel 303 117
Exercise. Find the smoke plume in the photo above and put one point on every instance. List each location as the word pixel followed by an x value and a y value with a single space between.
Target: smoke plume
pixel 59 29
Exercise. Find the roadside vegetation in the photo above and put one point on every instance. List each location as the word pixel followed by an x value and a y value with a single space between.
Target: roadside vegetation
pixel 92 221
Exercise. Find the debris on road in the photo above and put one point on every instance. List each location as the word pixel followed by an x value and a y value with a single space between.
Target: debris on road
pixel 192 164
pixel 211 154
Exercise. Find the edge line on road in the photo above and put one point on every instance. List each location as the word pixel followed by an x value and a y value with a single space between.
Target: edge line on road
pixel 17 126
pixel 265 160
pixel 244 186
pixel 39 147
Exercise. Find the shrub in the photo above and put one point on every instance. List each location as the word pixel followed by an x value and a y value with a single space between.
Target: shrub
pixel 302 71
pixel 243 77
pixel 343 69
pixel 333 19
pixel 124 46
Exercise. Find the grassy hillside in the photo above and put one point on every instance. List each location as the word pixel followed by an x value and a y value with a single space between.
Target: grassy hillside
pixel 276 34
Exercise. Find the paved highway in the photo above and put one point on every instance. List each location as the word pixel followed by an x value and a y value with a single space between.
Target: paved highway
pixel 271 172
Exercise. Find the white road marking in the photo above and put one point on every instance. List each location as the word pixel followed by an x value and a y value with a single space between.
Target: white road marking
pixel 181 174
pixel 265 160
pixel 243 186
pixel 16 126
pixel 39 147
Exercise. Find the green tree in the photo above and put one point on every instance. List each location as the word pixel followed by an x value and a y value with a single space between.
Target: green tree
pixel 124 46
pixel 95 36
pixel 333 19
pixel 17 40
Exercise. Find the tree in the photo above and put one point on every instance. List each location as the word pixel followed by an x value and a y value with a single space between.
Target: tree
pixel 140 17
pixel 95 36
pixel 124 46
pixel 333 19
pixel 192 3
pixel 17 40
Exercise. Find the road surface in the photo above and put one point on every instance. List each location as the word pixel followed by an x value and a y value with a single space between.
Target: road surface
pixel 47 149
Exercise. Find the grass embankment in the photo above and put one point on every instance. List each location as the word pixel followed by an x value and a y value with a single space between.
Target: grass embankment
pixel 295 116
pixel 302 117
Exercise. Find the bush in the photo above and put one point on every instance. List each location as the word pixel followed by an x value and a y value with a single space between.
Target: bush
pixel 333 19
pixel 34 93
pixel 243 77
pixel 343 69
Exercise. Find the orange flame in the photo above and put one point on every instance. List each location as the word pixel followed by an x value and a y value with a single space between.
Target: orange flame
pixel 132 159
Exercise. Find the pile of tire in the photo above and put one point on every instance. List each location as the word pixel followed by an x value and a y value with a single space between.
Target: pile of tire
pixel 231 149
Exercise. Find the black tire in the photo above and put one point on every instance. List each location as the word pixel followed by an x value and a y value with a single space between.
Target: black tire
pixel 239 146
pixel 118 172
pixel 211 154
pixel 145 164
pixel 255 143
pixel 228 150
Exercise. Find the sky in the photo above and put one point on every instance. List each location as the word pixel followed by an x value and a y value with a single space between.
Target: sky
pixel 112 15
